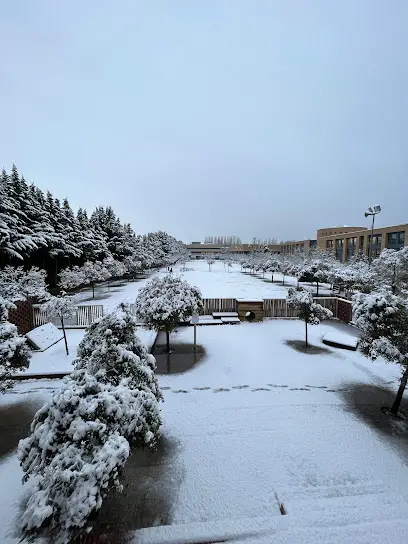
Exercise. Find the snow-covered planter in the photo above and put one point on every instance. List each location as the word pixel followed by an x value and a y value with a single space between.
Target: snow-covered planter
pixel 14 352
pixel 383 319
pixel 77 448
pixel 310 312
pixel 164 303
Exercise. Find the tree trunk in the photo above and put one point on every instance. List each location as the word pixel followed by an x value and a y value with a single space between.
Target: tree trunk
pixel 168 342
pixel 283 279
pixel 397 402
pixel 306 344
pixel 272 277
pixel 65 335
pixel 93 289
pixel 317 285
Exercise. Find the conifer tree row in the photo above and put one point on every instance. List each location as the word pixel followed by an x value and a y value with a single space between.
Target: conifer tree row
pixel 37 229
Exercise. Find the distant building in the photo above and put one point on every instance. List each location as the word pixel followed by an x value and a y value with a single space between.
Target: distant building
pixel 200 251
pixel 357 240
pixel 344 242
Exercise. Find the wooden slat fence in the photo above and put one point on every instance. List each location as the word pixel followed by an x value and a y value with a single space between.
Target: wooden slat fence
pixel 277 308
pixel 84 316
pixel 211 305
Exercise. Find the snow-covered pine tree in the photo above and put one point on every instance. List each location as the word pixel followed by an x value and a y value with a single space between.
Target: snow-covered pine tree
pixel 383 319
pixel 310 312
pixel 60 307
pixel 77 448
pixel 112 350
pixel 80 441
pixel 14 352
pixel 163 303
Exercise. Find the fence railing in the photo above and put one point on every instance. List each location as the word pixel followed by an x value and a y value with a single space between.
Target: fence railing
pixel 84 316
pixel 211 305
pixel 275 308
pixel 278 308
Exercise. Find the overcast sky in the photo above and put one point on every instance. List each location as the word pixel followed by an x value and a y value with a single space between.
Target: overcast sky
pixel 211 117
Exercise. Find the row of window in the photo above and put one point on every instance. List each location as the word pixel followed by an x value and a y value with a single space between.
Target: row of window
pixel 395 240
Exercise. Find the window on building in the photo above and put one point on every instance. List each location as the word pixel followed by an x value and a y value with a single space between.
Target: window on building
pixel 351 247
pixel 339 249
pixel 329 244
pixel 395 240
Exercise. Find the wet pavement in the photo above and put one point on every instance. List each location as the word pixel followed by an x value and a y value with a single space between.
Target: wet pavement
pixel 15 421
pixel 181 358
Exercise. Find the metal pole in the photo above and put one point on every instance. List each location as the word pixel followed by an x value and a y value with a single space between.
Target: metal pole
pixel 371 244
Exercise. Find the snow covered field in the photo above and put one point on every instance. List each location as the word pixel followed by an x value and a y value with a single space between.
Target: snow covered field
pixel 256 423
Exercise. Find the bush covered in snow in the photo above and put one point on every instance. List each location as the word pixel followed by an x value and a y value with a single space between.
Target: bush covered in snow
pixel 112 350
pixel 309 311
pixel 14 352
pixel 164 303
pixel 81 439
pixel 19 284
pixel 383 319
pixel 78 446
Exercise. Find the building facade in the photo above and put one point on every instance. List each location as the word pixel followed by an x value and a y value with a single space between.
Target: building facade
pixel 343 242
pixel 350 242
pixel 200 251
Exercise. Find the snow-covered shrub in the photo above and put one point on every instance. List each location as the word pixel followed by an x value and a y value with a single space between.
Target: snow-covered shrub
pixel 111 350
pixel 163 303
pixel 309 311
pixel 14 352
pixel 81 439
pixel 71 278
pixel 115 268
pixel 77 448
pixel 19 284
pixel 60 307
pixel 95 272
pixel 383 319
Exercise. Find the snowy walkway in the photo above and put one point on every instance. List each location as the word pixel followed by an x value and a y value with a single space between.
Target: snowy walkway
pixel 256 423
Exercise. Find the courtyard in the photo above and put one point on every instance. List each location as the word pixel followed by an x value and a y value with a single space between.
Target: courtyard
pixel 260 439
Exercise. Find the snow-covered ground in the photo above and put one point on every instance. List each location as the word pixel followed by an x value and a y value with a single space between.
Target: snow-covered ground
pixel 219 283
pixel 55 358
pixel 257 423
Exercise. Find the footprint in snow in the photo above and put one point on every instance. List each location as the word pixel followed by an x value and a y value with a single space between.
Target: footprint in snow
pixel 317 386
pixel 260 389
pixel 239 386
pixel 165 388
pixel 331 390
pixel 220 390
pixel 201 388
pixel 180 391
pixel 299 389
pixel 275 385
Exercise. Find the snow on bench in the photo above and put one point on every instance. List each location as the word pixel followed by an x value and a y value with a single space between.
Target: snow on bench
pixel 340 340
pixel 230 320
pixel 220 315
pixel 44 336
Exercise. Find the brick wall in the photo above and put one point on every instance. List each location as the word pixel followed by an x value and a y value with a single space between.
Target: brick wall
pixel 22 316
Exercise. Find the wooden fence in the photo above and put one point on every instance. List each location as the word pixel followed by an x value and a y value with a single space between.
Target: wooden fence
pixel 211 305
pixel 277 308
pixel 84 316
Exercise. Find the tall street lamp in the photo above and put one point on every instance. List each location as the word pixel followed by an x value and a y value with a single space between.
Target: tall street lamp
pixel 373 211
